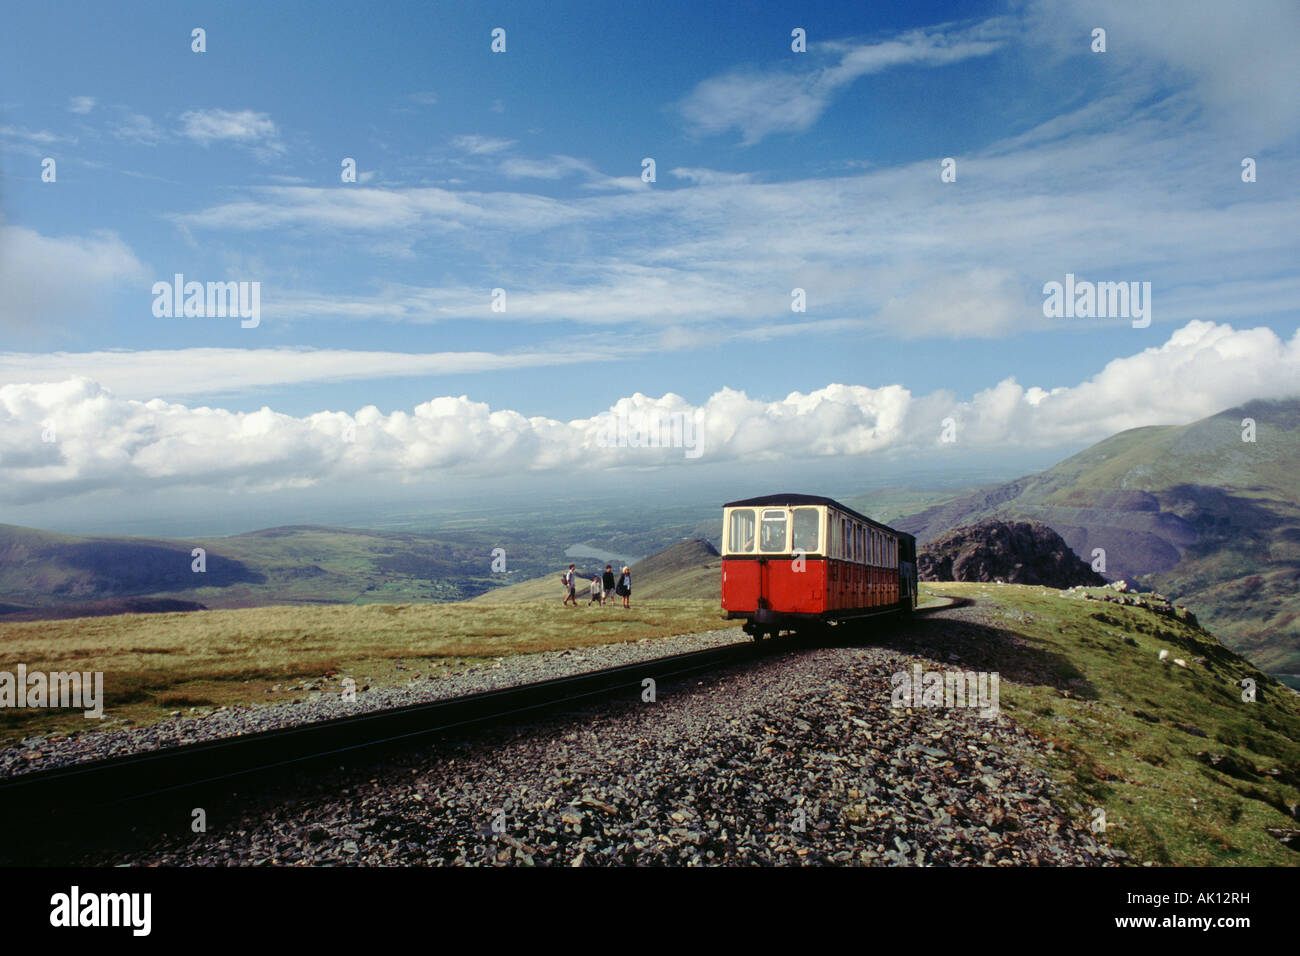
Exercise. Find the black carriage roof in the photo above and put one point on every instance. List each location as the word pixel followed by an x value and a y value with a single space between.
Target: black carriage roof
pixel 795 499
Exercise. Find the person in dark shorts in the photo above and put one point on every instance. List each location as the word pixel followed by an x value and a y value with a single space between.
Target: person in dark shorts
pixel 609 583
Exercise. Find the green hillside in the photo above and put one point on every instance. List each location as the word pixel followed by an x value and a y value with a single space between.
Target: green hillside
pixel 1186 771
pixel 1192 511
pixel 689 569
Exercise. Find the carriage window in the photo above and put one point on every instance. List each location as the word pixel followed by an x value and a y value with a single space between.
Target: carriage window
pixel 773 530
pixel 740 539
pixel 875 547
pixel 806 526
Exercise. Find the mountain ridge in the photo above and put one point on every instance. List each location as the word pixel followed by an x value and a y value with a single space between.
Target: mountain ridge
pixel 1190 510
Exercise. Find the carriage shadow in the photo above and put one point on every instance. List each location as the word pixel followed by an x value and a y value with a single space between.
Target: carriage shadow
pixel 960 645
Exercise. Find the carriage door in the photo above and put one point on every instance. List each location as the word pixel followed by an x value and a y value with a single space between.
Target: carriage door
pixel 772 540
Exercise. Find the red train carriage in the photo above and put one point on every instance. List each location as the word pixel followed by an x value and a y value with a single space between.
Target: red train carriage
pixel 799 562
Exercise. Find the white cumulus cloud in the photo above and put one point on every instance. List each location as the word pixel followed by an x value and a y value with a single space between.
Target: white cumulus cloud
pixel 245 127
pixel 60 278
pixel 104 442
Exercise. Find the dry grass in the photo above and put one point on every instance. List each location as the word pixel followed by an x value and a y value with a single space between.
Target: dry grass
pixel 156 662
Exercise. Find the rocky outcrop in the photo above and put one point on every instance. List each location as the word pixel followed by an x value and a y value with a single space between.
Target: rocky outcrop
pixel 1119 592
pixel 1022 552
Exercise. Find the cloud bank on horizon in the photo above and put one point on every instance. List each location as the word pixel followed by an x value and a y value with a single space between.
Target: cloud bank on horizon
pixel 74 437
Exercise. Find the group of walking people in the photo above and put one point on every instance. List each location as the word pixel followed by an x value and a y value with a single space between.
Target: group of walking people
pixel 603 587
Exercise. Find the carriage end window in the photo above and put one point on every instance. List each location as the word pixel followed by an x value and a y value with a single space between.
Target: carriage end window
pixel 773 533
pixel 740 535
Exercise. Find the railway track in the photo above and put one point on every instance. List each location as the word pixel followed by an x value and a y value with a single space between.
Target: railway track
pixel 65 792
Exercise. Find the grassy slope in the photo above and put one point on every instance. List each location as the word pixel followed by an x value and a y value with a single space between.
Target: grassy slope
pixel 153 663
pixel 1127 729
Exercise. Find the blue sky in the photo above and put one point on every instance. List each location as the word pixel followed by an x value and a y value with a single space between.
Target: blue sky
pixel 522 171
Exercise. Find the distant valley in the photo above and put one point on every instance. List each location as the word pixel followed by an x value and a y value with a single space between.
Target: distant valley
pixel 50 575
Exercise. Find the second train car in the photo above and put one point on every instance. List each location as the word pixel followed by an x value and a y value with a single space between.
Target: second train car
pixel 800 562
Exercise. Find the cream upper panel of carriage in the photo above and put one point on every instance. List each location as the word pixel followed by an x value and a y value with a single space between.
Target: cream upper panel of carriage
pixel 774 530
pixel 813 530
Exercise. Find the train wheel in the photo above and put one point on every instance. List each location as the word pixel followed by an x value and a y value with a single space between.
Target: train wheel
pixel 813 633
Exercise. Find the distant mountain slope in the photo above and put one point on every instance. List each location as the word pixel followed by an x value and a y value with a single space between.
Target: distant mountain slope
pixel 1193 511
pixel 688 569
pixel 44 574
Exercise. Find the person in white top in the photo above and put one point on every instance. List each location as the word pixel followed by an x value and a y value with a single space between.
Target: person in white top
pixel 570 581
pixel 597 595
